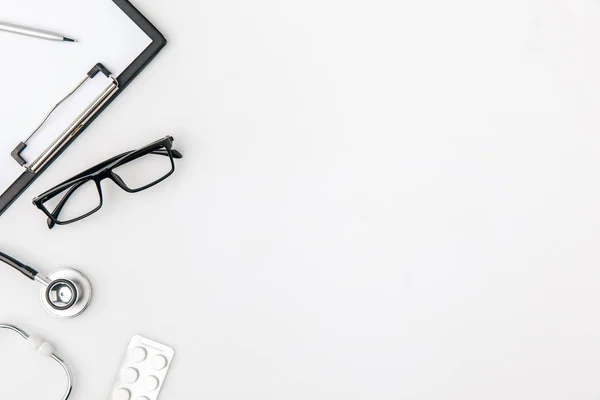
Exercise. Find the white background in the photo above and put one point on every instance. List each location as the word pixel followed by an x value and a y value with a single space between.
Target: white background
pixel 378 200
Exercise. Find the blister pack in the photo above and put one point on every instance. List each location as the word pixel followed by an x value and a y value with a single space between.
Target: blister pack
pixel 143 371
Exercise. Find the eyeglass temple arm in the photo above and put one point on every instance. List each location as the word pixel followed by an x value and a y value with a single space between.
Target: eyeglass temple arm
pixel 111 160
pixel 175 153
pixel 139 154
pixel 84 173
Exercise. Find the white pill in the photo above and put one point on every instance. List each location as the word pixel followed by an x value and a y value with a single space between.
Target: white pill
pixel 130 375
pixel 159 362
pixel 121 394
pixel 138 354
pixel 143 398
pixel 151 383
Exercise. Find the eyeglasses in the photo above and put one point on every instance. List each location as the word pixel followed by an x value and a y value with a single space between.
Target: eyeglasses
pixel 134 171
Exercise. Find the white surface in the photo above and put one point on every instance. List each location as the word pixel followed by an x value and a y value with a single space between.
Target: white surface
pixel 43 72
pixel 378 200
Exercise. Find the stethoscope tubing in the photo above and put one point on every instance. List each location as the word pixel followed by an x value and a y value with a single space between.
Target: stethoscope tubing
pixel 19 266
pixel 56 358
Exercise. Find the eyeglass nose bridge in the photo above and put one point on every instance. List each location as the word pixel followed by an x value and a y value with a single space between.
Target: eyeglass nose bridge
pixel 119 181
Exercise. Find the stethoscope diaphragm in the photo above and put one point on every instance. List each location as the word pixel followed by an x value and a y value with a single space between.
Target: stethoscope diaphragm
pixel 66 293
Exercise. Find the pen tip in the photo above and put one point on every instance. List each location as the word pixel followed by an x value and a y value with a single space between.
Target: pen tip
pixel 66 39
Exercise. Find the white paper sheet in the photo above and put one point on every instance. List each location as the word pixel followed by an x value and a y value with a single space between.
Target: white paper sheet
pixel 47 70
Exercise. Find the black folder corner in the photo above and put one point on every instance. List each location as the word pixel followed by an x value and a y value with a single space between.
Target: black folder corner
pixel 129 74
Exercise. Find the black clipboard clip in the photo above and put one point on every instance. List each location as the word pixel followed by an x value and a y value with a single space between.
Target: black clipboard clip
pixel 74 127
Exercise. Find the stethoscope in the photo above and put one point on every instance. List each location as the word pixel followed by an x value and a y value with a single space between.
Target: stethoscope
pixel 65 293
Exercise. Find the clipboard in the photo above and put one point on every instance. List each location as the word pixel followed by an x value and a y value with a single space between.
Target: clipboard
pixel 109 91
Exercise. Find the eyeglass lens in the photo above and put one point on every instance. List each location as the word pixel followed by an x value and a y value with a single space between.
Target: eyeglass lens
pixel 144 171
pixel 75 201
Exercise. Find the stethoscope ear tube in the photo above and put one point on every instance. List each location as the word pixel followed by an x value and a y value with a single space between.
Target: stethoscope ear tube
pixel 45 349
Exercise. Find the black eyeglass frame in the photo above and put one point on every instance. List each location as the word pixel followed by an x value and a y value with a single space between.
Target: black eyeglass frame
pixel 99 173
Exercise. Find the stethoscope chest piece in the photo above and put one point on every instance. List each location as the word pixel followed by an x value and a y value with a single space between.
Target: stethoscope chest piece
pixel 66 293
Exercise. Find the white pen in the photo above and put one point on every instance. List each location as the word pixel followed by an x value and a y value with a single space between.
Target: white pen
pixel 21 30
